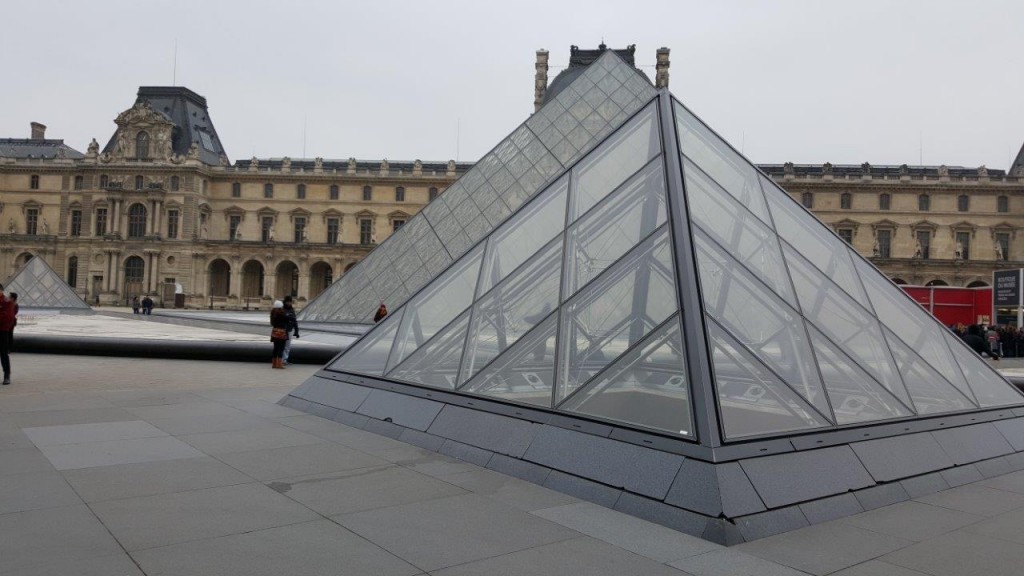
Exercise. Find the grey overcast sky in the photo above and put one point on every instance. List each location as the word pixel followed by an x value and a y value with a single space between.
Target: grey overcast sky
pixel 887 82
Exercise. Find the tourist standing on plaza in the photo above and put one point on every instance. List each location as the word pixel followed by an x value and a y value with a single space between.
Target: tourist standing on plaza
pixel 147 305
pixel 135 304
pixel 278 332
pixel 8 320
pixel 292 329
pixel 381 313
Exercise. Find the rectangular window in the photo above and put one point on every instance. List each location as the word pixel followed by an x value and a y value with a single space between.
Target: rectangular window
pixel 367 193
pixel 396 224
pixel 884 201
pixel 31 221
pixel 400 194
pixel 268 190
pixel 1002 246
pixel 101 221
pixel 172 223
pixel 845 201
pixel 300 191
pixel 300 229
pixel 76 222
pixel 807 199
pixel 846 234
pixel 236 190
pixel 924 240
pixel 884 243
pixel 233 222
pixel 79 182
pixel 332 230
pixel 33 182
pixel 432 193
pixel 334 191
pixel 1003 204
pixel 963 243
pixel 266 225
pixel 365 231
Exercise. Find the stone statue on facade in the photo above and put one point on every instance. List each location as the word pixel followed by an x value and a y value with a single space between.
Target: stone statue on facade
pixel 238 234
pixel 204 232
pixel 904 170
pixel 45 227
pixel 163 146
pixel 122 141
pixel 12 228
pixel 254 164
pixel 384 167
pixel 918 250
pixel 788 168
pixel 999 250
pixel 286 164
pixel 193 151
pixel 826 168
pixel 318 164
pixel 451 167
pixel 270 234
pixel 982 172
pixel 875 250
pixel 94 148
pixel 958 250
pixel 417 168
pixel 865 169
pixel 351 166
pixel 943 171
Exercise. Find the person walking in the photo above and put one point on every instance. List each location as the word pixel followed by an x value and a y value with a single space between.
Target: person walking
pixel 8 319
pixel 278 332
pixel 292 330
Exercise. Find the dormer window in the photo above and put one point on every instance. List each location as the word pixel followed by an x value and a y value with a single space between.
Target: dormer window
pixel 142 145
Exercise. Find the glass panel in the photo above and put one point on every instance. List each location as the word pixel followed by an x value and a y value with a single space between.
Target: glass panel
pixel 614 161
pixel 525 372
pixel 759 319
pixel 436 306
pixel 616 311
pixel 855 395
pixel 646 386
pixel 916 327
pixel 722 163
pixel 515 306
pixel 369 355
pixel 436 363
pixel 930 392
pixel 814 241
pixel 612 229
pixel 990 389
pixel 752 400
pixel 524 235
pixel 852 328
pixel 745 237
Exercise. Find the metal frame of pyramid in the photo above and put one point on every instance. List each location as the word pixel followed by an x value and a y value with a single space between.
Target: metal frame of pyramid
pixel 688 345
pixel 39 286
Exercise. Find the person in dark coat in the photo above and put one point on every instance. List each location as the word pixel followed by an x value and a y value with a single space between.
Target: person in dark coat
pixel 147 305
pixel 135 304
pixel 293 328
pixel 8 319
pixel 381 313
pixel 979 344
pixel 278 333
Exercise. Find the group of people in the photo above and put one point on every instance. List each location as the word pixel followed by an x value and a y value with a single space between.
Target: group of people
pixel 996 341
pixel 8 320
pixel 284 326
pixel 146 305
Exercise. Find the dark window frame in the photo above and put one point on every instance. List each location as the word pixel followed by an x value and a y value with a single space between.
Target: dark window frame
pixel 846 201
pixel 1003 204
pixel 367 193
pixel 76 222
pixel 400 194
pixel 300 192
pixel 268 190
pixel 335 192
pixel 236 189
pixel 137 216
pixel 963 203
pixel 33 182
pixel 172 223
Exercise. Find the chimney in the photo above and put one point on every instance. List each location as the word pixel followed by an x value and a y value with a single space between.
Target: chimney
pixel 541 80
pixel 661 67
pixel 38 131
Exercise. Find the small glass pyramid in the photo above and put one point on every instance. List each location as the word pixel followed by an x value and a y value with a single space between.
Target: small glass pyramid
pixel 39 286
pixel 574 299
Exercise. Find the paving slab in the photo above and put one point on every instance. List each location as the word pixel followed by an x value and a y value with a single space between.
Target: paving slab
pixel 627 532
pixel 19 401
pixel 732 562
pixel 34 491
pixel 577 556
pixel 165 519
pixel 446 532
pixel 34 418
pixel 54 535
pixel 114 565
pixel 152 478
pixel 508 490
pixel 877 568
pixel 22 461
pixel 311 549
pixel 912 520
pixel 198 407
pixel 975 499
pixel 363 489
pixel 90 454
pixel 1012 482
pixel 1006 526
pixel 824 548
pixel 304 460
pixel 93 432
pixel 184 423
pixel 961 553
pixel 261 438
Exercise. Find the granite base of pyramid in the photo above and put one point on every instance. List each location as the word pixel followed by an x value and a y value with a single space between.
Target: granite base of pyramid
pixel 728 496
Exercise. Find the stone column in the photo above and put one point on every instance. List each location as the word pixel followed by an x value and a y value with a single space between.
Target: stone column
pixel 269 283
pixel 540 79
pixel 156 272
pixel 303 291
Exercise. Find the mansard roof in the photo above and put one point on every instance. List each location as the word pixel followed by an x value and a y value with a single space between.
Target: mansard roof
pixel 37 148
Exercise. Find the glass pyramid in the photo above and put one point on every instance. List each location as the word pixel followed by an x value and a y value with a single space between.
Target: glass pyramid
pixel 516 170
pixel 662 284
pixel 38 286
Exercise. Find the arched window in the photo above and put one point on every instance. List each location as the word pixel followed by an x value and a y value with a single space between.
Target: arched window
pixel 300 191
pixel 72 277
pixel 142 145
pixel 845 200
pixel 139 182
pixel 807 199
pixel 134 272
pixel 924 203
pixel 136 221
pixel 236 190
pixel 963 203
pixel 400 194
pixel 175 183
pixel 334 192
pixel 367 193
pixel 884 201
pixel 268 190
pixel 433 193
pixel 1003 204
pixel 104 180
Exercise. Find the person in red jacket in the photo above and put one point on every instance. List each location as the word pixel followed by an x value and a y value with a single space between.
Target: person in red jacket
pixel 8 318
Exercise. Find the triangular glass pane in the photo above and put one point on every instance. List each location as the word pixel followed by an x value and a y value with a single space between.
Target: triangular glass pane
pixel 990 389
pixel 525 372
pixel 753 401
pixel 929 391
pixel 814 241
pixel 855 396
pixel 646 386
pixel 615 312
pixel 759 319
pixel 845 322
pixel 369 355
pixel 524 234
pixel 733 173
pixel 614 161
pixel 436 363
pixel 733 226
pixel 613 228
pixel 916 327
pixel 514 307
pixel 437 305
